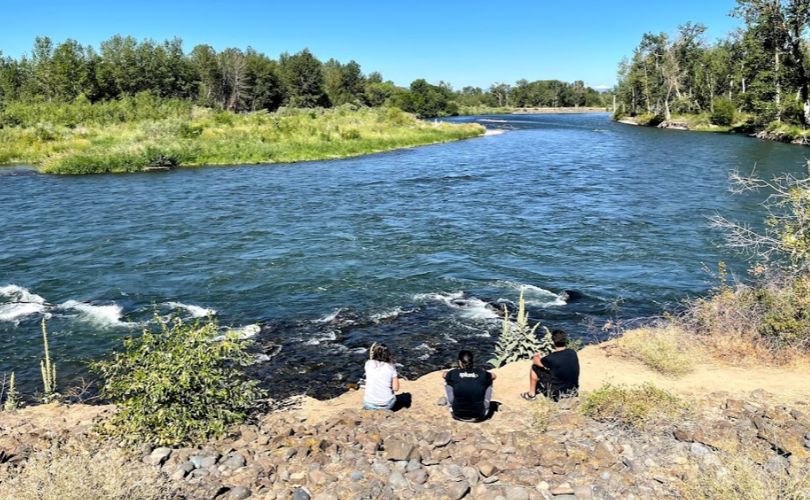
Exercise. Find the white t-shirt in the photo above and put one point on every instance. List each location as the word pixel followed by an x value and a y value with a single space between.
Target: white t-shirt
pixel 379 376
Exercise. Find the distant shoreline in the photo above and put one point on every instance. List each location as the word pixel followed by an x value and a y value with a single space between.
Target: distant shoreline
pixel 486 110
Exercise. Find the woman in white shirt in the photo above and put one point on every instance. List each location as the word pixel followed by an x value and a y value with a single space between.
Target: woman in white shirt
pixel 381 379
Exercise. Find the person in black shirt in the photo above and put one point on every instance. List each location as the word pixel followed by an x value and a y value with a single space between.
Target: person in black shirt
pixel 557 374
pixel 469 390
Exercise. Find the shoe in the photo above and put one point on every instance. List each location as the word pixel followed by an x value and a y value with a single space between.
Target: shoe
pixel 528 397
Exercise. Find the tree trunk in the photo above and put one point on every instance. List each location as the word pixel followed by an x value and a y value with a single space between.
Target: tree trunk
pixel 778 97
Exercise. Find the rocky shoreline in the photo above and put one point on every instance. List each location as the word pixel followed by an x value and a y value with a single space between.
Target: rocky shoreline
pixel 528 450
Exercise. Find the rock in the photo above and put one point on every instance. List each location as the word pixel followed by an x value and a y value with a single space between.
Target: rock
pixel 543 486
pixel 471 475
pixel 301 494
pixel 158 456
pixel 397 481
pixel 486 469
pixel 443 439
pixel 397 450
pixel 563 489
pixel 454 472
pixel 517 493
pixel 237 493
pixel 203 462
pixel 356 476
pixel 583 492
pixel 325 496
pixel 413 465
pixel 418 476
pixel 233 460
pixel 182 471
pixel 320 478
pixel 442 401
pixel 457 490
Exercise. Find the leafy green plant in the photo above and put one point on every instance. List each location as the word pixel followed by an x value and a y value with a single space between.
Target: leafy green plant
pixel 179 385
pixel 12 401
pixel 724 111
pixel 632 406
pixel 47 369
pixel 518 340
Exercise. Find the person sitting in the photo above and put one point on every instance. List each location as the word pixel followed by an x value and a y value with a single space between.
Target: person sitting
pixel 469 390
pixel 557 374
pixel 381 379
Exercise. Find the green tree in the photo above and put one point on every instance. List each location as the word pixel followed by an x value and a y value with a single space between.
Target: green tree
pixel 303 80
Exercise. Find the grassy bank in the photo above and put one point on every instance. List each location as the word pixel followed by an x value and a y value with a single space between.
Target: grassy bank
pixel 742 124
pixel 86 139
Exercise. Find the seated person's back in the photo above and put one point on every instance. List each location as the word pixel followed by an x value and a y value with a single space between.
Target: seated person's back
pixel 557 374
pixel 469 390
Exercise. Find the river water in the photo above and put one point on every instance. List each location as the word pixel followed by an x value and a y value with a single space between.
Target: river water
pixel 595 221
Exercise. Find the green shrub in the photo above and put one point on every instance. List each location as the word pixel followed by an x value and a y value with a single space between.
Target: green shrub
pixel 650 119
pixel 724 111
pixel 632 406
pixel 518 340
pixel 178 385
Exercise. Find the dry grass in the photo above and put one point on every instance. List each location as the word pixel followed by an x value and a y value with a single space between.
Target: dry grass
pixel 635 407
pixel 542 410
pixel 737 477
pixel 667 350
pixel 80 471
pixel 768 323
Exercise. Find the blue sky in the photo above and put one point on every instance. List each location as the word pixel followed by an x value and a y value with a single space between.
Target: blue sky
pixel 463 42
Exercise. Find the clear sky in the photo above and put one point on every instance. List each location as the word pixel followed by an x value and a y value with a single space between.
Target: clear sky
pixel 469 42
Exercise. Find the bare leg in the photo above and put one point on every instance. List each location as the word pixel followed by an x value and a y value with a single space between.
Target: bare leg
pixel 532 383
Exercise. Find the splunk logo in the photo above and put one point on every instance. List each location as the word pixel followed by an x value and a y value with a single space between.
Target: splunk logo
pixel 468 375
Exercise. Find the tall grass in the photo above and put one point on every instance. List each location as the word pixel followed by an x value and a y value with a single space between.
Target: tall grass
pixel 201 136
pixel 666 350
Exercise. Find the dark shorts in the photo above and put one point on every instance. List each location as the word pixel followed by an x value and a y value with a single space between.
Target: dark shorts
pixel 547 387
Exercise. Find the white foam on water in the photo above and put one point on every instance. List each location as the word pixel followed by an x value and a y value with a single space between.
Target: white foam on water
pixel 493 131
pixel 424 347
pixel 107 315
pixel 23 303
pixel 469 308
pixel 244 332
pixel 534 295
pixel 389 314
pixel 329 336
pixel 329 317
pixel 193 310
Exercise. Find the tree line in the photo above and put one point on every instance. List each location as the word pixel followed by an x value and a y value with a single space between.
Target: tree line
pixel 245 80
pixel 760 71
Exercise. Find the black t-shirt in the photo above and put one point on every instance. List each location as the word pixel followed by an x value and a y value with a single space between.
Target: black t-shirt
pixel 564 369
pixel 469 389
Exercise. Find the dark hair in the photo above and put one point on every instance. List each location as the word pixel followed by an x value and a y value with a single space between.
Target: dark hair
pixel 379 352
pixel 466 359
pixel 560 338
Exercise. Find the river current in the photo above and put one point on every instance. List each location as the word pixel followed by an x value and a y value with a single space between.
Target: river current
pixel 594 221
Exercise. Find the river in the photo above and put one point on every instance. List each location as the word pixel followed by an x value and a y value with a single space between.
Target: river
pixel 595 221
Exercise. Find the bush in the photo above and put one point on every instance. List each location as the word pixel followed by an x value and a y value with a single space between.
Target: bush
pixel 632 406
pixel 77 471
pixel 519 341
pixel 665 350
pixel 724 111
pixel 650 120
pixel 739 477
pixel 179 385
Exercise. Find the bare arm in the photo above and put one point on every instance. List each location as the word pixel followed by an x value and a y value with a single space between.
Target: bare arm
pixel 395 384
pixel 537 361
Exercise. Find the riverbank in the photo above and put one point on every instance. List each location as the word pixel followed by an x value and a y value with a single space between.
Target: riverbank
pixel 727 429
pixel 507 110
pixel 201 136
pixel 778 132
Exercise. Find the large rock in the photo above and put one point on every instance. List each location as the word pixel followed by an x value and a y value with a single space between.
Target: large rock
pixel 397 450
pixel 158 456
